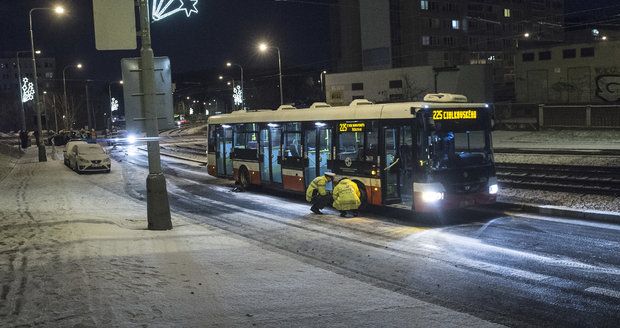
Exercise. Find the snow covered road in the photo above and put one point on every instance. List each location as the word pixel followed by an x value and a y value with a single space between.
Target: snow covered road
pixel 513 270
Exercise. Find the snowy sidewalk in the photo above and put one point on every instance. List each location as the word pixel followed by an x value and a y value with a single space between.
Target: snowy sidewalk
pixel 74 252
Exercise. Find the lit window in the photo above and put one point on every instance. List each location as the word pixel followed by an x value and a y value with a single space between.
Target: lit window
pixel 506 12
pixel 424 4
pixel 426 40
pixel 456 24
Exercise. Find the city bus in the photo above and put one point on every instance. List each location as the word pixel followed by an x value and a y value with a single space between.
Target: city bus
pixel 424 156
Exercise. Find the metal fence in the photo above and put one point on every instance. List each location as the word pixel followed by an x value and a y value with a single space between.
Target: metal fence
pixel 540 116
pixel 579 116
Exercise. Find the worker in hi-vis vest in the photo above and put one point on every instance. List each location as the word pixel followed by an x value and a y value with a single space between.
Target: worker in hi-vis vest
pixel 317 193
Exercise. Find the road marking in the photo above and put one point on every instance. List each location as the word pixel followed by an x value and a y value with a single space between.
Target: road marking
pixel 505 271
pixel 604 291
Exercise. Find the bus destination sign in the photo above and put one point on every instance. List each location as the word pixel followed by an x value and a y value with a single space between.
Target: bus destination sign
pixel 443 115
pixel 352 127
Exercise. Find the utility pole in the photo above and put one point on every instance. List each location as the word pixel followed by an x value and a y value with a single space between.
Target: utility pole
pixel 158 207
pixel 90 126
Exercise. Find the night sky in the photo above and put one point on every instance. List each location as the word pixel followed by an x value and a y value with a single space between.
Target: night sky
pixel 223 29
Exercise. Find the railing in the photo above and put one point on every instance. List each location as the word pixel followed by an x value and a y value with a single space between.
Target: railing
pixel 579 116
pixel 540 116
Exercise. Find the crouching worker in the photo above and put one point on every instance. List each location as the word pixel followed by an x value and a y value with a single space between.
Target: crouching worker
pixel 317 193
pixel 347 197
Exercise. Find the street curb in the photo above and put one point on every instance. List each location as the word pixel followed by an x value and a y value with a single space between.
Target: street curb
pixel 559 211
pixel 178 157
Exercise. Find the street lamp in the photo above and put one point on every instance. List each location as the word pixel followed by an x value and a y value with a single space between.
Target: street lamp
pixel 58 10
pixel 64 87
pixel 229 64
pixel 323 73
pixel 263 47
pixel 19 80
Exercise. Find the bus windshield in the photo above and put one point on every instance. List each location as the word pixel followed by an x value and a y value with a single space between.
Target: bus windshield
pixel 451 149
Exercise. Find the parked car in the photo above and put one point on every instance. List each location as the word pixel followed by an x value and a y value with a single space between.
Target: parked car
pixel 68 147
pixel 83 157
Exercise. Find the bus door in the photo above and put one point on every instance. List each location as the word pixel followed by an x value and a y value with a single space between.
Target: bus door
pixel 318 151
pixel 224 148
pixel 271 169
pixel 391 169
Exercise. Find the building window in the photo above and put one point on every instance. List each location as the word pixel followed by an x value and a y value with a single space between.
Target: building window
pixel 396 84
pixel 424 4
pixel 357 97
pixel 396 97
pixel 426 40
pixel 529 56
pixel 569 53
pixel 587 52
pixel 456 24
pixel 357 86
pixel 544 55
pixel 506 12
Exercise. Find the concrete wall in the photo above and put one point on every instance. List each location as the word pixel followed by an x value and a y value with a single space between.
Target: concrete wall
pixel 579 80
pixel 473 81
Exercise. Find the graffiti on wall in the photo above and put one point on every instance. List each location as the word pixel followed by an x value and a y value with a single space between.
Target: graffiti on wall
pixel 608 87
pixel 608 83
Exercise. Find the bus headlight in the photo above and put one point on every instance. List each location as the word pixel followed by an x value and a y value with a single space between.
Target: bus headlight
pixel 493 189
pixel 431 196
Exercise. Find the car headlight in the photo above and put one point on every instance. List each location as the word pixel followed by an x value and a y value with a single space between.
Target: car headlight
pixel 82 160
pixel 431 196
pixel 132 139
pixel 493 189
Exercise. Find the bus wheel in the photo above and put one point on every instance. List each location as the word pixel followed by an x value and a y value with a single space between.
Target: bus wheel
pixel 244 178
pixel 363 195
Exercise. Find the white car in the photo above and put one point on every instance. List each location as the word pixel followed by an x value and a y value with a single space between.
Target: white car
pixel 85 157
pixel 68 147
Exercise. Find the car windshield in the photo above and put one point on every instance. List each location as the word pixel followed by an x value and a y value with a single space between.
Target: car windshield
pixel 90 150
pixel 458 149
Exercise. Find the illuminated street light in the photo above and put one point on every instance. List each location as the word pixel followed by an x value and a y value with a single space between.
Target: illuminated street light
pixel 41 147
pixel 526 35
pixel 64 87
pixel 263 47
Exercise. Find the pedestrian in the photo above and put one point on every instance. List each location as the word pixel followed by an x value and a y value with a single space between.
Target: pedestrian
pixel 317 193
pixel 93 135
pixel 23 139
pixel 37 136
pixel 347 197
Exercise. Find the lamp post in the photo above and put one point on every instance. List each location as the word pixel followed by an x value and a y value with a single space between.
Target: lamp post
pixel 109 123
pixel 64 87
pixel 58 10
pixel 263 47
pixel 19 80
pixel 323 73
pixel 229 64
pixel 230 83
pixel 157 203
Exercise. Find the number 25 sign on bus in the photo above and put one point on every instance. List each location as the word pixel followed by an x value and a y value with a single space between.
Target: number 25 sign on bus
pixel 440 115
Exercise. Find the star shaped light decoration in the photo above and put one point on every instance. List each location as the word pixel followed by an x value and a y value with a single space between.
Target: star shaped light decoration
pixel 113 105
pixel 166 8
pixel 189 6
pixel 238 96
pixel 27 90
